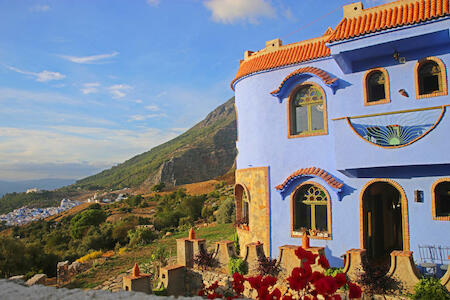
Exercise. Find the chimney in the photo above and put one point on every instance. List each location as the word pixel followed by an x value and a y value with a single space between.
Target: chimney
pixel 353 10
pixel 273 44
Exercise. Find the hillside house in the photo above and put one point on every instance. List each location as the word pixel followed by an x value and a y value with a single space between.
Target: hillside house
pixel 347 136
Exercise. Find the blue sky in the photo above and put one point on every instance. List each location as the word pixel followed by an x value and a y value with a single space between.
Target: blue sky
pixel 87 84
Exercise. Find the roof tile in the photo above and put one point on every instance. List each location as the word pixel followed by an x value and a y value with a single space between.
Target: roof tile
pixel 286 55
pixel 388 16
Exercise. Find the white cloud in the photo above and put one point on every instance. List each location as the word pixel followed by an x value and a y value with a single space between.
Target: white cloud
pixel 153 2
pixel 40 8
pixel 90 88
pixel 89 59
pixel 70 144
pixel 138 101
pixel 152 107
pixel 143 117
pixel 42 76
pixel 119 90
pixel 230 11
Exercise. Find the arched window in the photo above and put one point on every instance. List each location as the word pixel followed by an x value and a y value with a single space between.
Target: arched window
pixel 307 111
pixel 376 87
pixel 311 211
pixel 440 192
pixel 242 206
pixel 430 77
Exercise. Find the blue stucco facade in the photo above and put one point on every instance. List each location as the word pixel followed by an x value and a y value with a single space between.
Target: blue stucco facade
pixel 263 136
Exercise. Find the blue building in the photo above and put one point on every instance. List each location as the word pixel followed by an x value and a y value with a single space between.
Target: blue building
pixel 347 136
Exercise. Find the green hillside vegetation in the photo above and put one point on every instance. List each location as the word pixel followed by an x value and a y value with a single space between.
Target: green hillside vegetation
pixel 38 246
pixel 136 170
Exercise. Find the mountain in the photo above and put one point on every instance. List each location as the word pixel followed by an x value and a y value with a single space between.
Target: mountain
pixel 23 185
pixel 205 151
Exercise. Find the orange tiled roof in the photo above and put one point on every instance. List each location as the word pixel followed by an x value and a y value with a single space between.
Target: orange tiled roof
pixel 395 14
pixel 283 56
pixel 326 78
pixel 328 178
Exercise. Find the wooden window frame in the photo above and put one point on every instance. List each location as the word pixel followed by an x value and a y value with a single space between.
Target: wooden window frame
pixel 433 200
pixel 239 201
pixel 290 112
pixel 297 234
pixel 386 87
pixel 443 79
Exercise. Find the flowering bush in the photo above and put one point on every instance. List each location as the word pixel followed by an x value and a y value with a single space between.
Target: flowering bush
pixel 303 283
pixel 89 256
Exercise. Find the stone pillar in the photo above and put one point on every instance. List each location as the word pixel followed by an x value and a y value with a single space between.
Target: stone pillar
pixel 172 278
pixel 354 262
pixel 187 249
pixel 224 251
pixel 137 282
pixel 404 270
pixel 445 280
pixel 318 251
pixel 62 273
pixel 255 251
pixel 185 252
pixel 288 260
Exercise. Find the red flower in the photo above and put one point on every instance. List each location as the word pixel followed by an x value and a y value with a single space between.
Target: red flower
pixel 269 280
pixel 255 282
pixel 275 295
pixel 303 254
pixel 214 286
pixel 323 261
pixel 316 276
pixel 337 297
pixel 326 286
pixel 341 279
pixel 201 293
pixel 354 291
pixel 287 297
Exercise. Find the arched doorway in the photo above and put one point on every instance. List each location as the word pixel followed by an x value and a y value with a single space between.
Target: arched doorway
pixel 384 219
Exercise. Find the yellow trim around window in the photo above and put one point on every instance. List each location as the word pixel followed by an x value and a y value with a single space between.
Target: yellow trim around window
pixel 442 80
pixel 323 131
pixel 433 200
pixel 386 87
pixel 297 234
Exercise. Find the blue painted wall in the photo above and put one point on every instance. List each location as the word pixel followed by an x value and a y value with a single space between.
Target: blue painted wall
pixel 263 141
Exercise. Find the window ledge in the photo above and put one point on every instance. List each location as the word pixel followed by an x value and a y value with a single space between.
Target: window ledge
pixel 293 136
pixel 431 95
pixel 318 236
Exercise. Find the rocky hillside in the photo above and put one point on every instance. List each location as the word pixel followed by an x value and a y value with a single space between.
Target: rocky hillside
pixel 205 151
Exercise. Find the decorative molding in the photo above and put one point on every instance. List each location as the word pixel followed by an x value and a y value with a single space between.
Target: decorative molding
pixel 313 171
pixel 442 88
pixel 289 112
pixel 294 234
pixel 404 204
pixel 386 87
pixel 311 71
pixel 433 200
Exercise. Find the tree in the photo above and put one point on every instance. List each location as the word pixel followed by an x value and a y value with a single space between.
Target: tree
pixel 82 221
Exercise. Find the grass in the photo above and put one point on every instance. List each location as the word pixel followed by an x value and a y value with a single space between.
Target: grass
pixel 122 263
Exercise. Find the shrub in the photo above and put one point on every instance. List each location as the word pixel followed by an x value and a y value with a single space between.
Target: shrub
pixel 268 266
pixel 333 271
pixel 141 236
pixel 430 288
pixel 82 221
pixel 123 250
pixel 89 256
pixel 226 211
pixel 237 265
pixel 158 187
pixel 205 259
pixel 235 239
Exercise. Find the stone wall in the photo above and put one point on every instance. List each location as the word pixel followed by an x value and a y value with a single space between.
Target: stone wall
pixel 256 182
